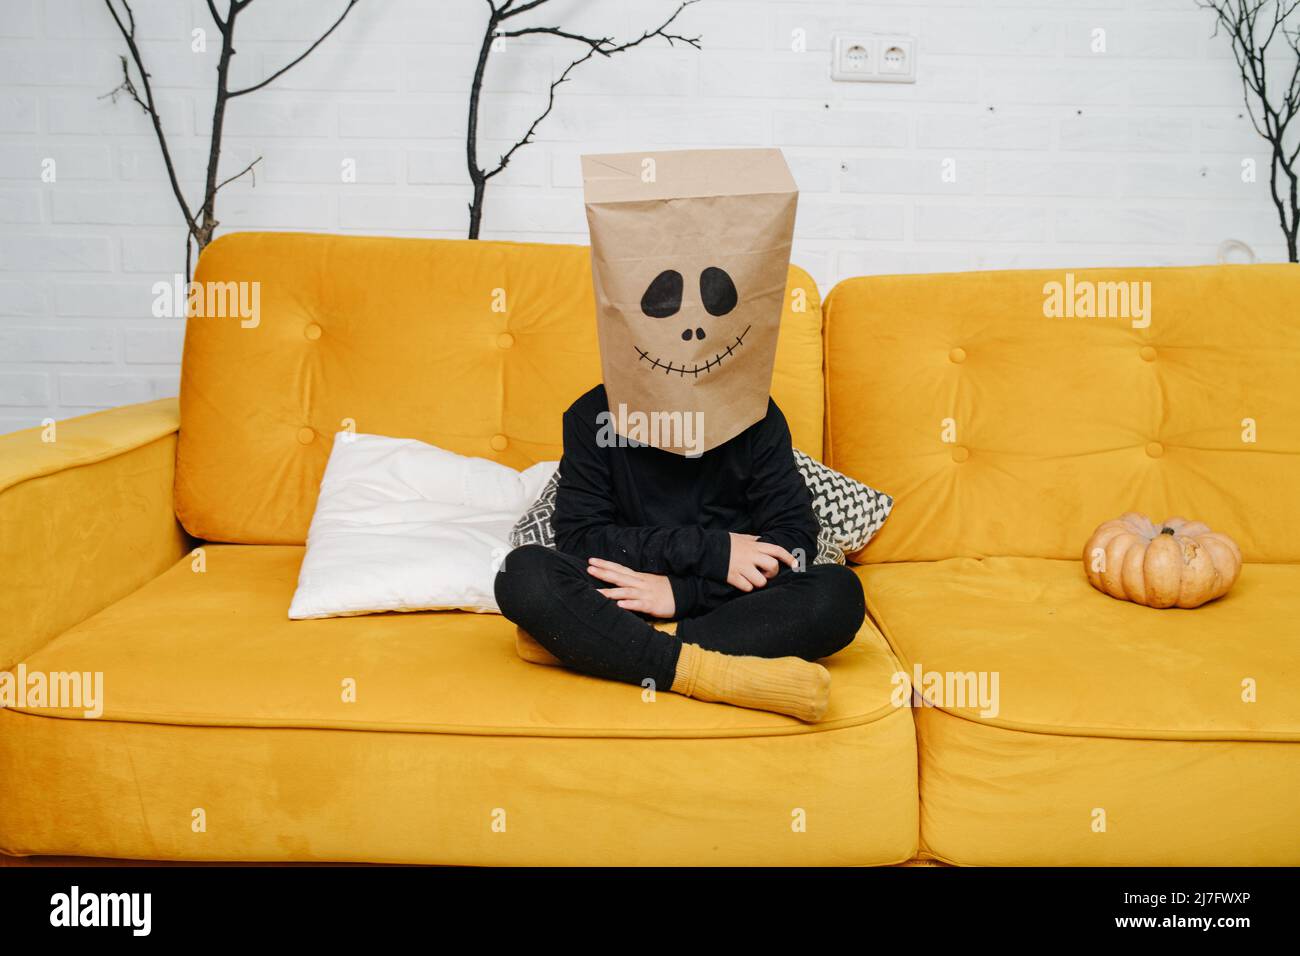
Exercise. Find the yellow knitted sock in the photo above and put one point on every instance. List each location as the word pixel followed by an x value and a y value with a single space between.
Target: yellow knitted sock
pixel 528 648
pixel 786 685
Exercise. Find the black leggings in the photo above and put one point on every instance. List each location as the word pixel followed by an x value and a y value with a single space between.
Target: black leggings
pixel 809 614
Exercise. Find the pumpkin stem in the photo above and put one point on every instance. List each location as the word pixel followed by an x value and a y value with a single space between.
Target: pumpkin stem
pixel 1166 530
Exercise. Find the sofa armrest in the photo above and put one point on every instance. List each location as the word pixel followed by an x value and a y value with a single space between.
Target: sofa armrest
pixel 86 517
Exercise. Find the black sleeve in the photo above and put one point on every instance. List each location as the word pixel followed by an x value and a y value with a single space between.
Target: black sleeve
pixel 781 508
pixel 693 596
pixel 779 500
pixel 585 516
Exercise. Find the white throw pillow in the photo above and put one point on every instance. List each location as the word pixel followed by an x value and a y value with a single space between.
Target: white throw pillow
pixel 401 525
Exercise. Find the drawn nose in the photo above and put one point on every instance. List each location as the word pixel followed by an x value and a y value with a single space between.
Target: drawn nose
pixel 687 333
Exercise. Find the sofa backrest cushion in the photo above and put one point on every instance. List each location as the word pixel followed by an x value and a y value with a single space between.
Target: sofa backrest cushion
pixel 477 347
pixel 1002 431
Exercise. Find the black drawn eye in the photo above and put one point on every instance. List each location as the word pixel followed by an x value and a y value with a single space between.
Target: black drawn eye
pixel 664 296
pixel 717 291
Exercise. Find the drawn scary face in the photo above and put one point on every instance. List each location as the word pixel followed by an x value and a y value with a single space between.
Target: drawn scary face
pixel 690 258
pixel 691 337
pixel 718 297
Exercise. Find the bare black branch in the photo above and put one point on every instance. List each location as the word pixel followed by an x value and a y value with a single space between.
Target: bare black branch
pixel 502 11
pixel 1253 27
pixel 201 222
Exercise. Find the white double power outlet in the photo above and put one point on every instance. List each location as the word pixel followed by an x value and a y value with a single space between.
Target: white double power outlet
pixel 873 58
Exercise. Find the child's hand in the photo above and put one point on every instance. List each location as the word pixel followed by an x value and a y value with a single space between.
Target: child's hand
pixel 634 590
pixel 753 561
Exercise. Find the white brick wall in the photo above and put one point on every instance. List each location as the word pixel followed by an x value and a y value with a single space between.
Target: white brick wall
pixel 1063 157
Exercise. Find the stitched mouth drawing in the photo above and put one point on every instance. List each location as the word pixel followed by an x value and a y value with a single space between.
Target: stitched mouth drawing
pixel 683 370
pixel 663 299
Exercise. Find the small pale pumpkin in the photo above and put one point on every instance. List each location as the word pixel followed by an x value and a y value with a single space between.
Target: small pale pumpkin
pixel 1175 563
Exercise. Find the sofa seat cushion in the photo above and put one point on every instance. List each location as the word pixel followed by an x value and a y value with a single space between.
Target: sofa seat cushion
pixel 997 797
pixel 216 648
pixel 1071 660
pixel 215 700
pixel 1120 736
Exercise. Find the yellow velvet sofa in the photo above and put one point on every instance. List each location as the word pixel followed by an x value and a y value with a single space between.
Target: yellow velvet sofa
pixel 159 545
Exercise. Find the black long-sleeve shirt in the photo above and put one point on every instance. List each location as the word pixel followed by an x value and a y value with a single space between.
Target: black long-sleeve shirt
pixel 663 513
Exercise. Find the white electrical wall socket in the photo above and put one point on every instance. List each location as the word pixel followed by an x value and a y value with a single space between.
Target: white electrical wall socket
pixel 873 58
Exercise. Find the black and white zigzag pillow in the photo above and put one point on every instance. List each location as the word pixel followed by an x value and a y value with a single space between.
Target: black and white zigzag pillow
pixel 848 512
pixel 828 552
pixel 535 525
pixel 851 511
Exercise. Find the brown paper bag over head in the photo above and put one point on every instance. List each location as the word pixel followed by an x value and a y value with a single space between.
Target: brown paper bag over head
pixel 690 252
